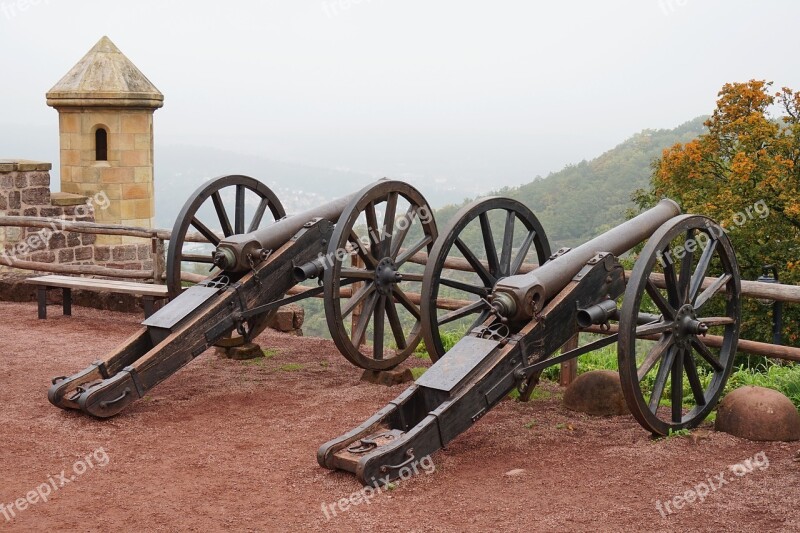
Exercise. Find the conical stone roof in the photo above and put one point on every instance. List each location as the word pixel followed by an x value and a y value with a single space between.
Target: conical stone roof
pixel 106 78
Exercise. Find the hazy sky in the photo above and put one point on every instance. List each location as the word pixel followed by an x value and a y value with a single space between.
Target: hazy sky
pixel 496 91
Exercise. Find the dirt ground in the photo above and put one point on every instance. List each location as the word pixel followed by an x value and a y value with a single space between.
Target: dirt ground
pixel 232 445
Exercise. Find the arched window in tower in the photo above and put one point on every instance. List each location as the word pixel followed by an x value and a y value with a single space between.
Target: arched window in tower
pixel 101 144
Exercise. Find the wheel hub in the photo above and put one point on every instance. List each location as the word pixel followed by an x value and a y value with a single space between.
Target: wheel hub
pixel 386 275
pixel 687 326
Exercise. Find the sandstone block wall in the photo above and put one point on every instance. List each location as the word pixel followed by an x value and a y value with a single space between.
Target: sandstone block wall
pixel 25 191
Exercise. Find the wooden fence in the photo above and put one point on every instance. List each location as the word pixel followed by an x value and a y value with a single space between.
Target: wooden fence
pixel 750 289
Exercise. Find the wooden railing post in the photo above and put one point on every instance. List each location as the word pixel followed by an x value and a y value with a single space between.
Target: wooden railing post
pixel 569 369
pixel 159 268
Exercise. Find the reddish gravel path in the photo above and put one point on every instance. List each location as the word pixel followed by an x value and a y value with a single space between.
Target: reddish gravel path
pixel 231 445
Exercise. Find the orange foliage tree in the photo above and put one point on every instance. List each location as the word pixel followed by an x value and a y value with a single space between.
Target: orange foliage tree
pixel 745 174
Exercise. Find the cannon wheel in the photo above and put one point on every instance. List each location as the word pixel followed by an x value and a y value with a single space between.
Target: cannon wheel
pixel 213 193
pixel 489 265
pixel 693 259
pixel 368 283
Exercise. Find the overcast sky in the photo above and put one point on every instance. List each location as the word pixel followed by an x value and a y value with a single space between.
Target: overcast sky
pixel 497 91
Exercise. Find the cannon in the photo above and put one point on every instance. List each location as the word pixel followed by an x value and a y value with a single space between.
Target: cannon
pixel 678 323
pixel 354 251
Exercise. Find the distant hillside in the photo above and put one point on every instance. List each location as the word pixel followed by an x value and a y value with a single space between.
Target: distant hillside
pixel 180 169
pixel 582 200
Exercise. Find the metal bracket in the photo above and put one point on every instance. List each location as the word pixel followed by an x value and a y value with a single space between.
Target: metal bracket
pixel 135 378
pixel 220 282
pixel 559 252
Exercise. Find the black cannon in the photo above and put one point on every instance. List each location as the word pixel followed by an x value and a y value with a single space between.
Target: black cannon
pixel 678 323
pixel 358 247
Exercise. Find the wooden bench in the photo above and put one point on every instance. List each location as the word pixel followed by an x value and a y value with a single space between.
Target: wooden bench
pixel 149 292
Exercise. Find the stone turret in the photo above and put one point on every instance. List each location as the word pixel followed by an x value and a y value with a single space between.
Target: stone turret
pixel 105 106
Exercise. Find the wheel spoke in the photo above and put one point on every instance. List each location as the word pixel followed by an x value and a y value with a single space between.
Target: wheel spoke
pixel 677 387
pixel 407 276
pixel 694 378
pixel 712 289
pixel 522 253
pixel 402 297
pixel 238 218
pixel 666 309
pixel 706 354
pixel 702 268
pixel 686 268
pixel 655 354
pixel 461 313
pixel 654 328
pixel 406 255
pixel 388 224
pixel 373 230
pixel 671 281
pixel 258 216
pixel 661 379
pixel 508 243
pixel 397 240
pixel 363 320
pixel 378 328
pixel 205 231
pixel 396 325
pixel 222 215
pixel 488 244
pixel 357 298
pixel 466 287
pixel 362 252
pixel 484 274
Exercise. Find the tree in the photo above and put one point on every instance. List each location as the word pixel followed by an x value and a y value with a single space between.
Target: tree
pixel 745 173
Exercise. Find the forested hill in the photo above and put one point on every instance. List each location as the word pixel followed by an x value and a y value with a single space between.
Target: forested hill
pixel 582 200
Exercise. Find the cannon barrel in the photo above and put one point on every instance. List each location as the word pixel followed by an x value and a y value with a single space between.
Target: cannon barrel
pixel 524 295
pixel 232 252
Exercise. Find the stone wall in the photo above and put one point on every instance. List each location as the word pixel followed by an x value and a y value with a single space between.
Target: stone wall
pixel 25 191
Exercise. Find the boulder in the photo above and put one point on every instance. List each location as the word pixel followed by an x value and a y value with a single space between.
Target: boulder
pixel 598 393
pixel 758 413
pixel 241 353
pixel 387 377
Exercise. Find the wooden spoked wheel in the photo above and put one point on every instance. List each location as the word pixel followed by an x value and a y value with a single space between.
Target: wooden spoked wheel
pixel 679 324
pixel 370 278
pixel 486 241
pixel 221 207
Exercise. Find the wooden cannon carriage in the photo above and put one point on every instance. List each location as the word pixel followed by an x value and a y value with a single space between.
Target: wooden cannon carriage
pixel 684 285
pixel 256 254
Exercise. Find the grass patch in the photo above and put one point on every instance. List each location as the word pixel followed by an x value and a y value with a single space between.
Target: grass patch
pixel 530 425
pixel 449 339
pixel 269 353
pixel 680 433
pixel 291 367
pixel 418 371
pixel 538 394
pixel 782 378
